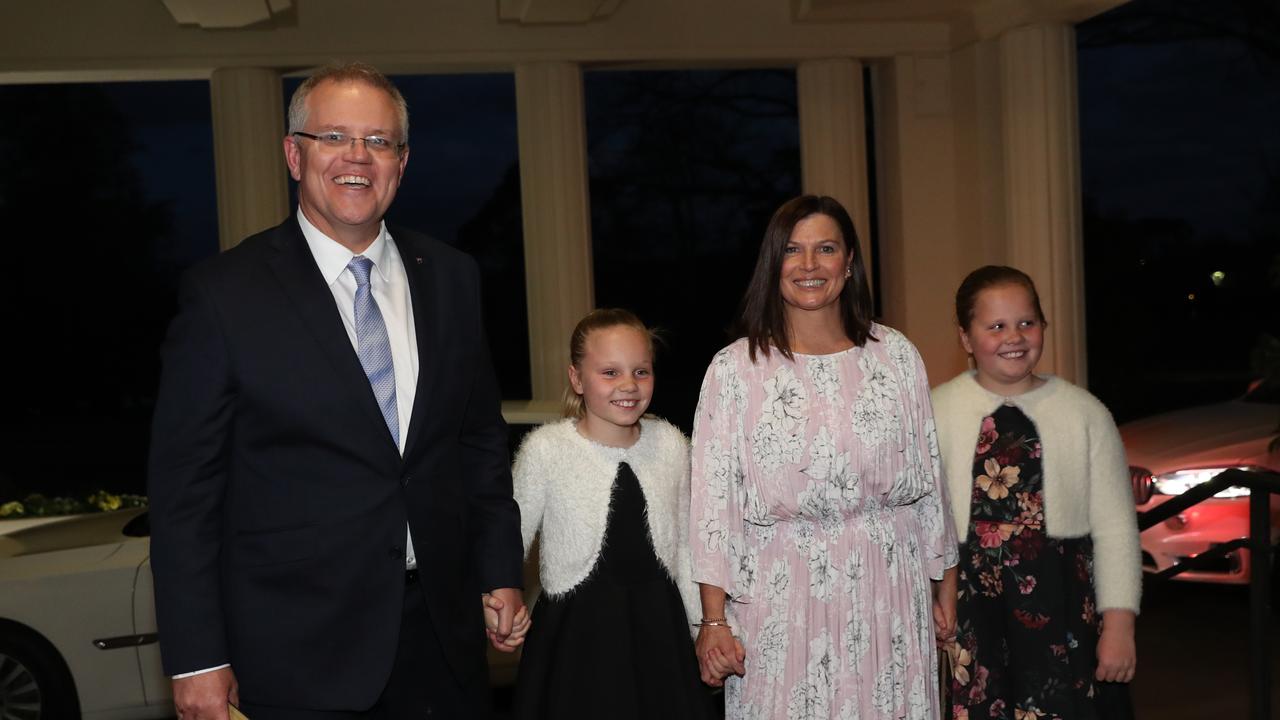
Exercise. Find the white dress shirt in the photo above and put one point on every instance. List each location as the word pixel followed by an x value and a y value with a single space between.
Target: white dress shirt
pixel 390 286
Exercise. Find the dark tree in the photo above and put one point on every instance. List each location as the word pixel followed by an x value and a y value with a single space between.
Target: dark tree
pixel 84 298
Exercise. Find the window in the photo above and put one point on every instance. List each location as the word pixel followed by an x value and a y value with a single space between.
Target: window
pixel 110 197
pixel 686 167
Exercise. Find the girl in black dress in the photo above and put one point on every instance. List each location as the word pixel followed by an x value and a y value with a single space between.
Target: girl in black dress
pixel 606 490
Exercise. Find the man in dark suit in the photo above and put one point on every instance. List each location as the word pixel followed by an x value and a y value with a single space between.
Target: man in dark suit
pixel 329 477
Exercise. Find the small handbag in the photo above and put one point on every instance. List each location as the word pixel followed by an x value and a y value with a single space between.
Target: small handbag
pixel 944 683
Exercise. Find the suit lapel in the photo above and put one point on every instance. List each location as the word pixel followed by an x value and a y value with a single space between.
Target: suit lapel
pixel 424 288
pixel 296 270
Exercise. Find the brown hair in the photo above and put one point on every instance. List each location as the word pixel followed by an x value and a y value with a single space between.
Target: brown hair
pixel 599 319
pixel 989 276
pixel 342 73
pixel 763 319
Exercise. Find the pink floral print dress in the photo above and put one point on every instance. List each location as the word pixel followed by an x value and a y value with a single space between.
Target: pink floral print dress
pixel 818 506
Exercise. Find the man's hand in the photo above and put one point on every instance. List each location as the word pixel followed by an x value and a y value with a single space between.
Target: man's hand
pixel 506 618
pixel 205 696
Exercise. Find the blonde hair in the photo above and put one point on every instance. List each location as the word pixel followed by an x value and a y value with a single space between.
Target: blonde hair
pixel 601 319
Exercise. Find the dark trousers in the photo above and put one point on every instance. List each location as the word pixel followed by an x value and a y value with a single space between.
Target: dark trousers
pixel 422 685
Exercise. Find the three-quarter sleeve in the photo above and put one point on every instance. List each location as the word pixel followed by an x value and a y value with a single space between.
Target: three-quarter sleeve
pixel 716 499
pixel 938 541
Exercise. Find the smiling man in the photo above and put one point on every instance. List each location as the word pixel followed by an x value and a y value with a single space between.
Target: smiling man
pixel 329 478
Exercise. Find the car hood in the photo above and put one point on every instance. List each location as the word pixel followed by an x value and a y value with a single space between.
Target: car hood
pixel 1221 435
pixel 72 532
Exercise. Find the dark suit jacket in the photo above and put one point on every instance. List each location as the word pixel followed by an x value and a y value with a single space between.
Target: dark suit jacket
pixel 279 499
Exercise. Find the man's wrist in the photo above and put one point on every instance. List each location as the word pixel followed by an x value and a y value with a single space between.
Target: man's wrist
pixel 193 673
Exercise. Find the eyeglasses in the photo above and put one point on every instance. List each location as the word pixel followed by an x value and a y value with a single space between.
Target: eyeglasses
pixel 375 144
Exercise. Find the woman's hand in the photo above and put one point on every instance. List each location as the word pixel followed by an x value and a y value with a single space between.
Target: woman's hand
pixel 1117 652
pixel 944 606
pixel 720 654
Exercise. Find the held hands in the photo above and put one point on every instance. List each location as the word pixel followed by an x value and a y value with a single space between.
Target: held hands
pixel 506 619
pixel 1117 654
pixel 944 606
pixel 205 696
pixel 720 654
pixel 944 620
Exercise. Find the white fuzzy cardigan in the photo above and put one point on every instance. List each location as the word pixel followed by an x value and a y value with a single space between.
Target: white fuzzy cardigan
pixel 564 482
pixel 1086 476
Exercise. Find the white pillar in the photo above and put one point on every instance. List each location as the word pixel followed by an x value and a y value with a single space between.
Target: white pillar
pixel 248 123
pixel 833 138
pixel 1042 177
pixel 557 221
pixel 921 259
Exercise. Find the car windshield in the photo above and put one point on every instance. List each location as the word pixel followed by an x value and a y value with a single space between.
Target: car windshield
pixel 1267 392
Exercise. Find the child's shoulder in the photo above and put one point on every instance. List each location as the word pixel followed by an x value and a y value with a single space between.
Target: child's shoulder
pixel 549 436
pixel 1062 395
pixel 957 391
pixel 663 434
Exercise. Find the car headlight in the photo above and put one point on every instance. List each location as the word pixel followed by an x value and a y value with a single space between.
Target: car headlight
pixel 1180 481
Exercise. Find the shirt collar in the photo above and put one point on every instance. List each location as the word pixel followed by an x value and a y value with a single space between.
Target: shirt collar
pixel 332 258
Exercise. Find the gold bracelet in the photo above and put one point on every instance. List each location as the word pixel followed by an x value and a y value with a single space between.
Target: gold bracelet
pixel 713 623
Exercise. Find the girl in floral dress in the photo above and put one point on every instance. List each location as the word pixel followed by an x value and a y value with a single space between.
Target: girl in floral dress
pixel 817 514
pixel 1050 573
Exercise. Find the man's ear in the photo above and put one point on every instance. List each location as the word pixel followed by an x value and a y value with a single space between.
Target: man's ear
pixel 293 156
pixel 404 162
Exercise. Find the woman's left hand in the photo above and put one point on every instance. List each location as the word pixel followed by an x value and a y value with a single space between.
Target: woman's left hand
pixel 944 606
pixel 1117 652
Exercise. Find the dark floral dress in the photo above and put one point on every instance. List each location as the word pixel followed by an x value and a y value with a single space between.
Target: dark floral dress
pixel 1027 637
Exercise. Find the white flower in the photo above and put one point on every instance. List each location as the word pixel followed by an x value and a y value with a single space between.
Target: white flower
pixel 857 636
pixel 711 534
pixel 771 646
pixel 811 698
pixel 824 373
pixel 822 575
pixel 777 583
pixel 875 411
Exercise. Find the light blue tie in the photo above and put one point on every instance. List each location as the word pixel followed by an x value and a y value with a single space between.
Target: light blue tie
pixel 374 347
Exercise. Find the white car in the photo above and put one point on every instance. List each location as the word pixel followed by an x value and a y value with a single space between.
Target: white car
pixel 77 621
pixel 1175 451
pixel 78 624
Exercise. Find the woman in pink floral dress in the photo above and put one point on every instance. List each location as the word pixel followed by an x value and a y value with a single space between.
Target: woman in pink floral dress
pixel 818 515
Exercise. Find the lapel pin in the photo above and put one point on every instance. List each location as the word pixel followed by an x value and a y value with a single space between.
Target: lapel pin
pixel 419 260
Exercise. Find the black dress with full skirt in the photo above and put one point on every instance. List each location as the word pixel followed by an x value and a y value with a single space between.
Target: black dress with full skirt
pixel 617 645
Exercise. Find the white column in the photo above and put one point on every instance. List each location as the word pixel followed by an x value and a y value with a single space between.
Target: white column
pixel 557 222
pixel 833 147
pixel 1042 177
pixel 921 258
pixel 248 123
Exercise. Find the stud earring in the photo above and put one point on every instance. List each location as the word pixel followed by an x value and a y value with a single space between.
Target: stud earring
pixel 848 272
